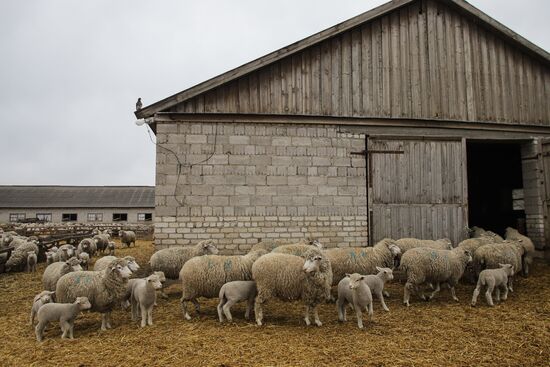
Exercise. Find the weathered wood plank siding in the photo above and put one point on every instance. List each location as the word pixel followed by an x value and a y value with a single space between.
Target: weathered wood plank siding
pixel 425 61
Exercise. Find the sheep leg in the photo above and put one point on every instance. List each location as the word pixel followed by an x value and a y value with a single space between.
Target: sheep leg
pixel 133 309
pixel 341 307
pixel 370 311
pixel 39 330
pixel 505 295
pixel 386 294
pixel 359 317
pixel 453 292
pixel 71 329
pixel 32 316
pixel 65 328
pixel 436 290
pixel 488 294
pixel 143 316
pixel 380 295
pixel 227 309
pixel 497 294
pixel 150 316
pixel 407 293
pixel 475 295
pixel 220 309
pixel 258 311
pixel 316 317
pixel 197 305
pixel 511 284
pixel 249 307
pixel 306 316
pixel 184 309
pixel 103 322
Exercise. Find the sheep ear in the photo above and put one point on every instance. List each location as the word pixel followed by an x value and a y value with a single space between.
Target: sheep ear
pixel 379 268
pixel 362 277
pixel 348 275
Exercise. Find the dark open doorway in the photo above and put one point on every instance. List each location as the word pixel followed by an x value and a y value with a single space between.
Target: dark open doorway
pixel 495 196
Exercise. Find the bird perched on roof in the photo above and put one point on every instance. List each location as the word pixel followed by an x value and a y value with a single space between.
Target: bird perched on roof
pixel 138 104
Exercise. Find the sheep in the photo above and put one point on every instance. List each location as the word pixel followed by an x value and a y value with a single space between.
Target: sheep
pixel 70 249
pixel 513 234
pixel 353 289
pixel 101 241
pixel 494 279
pixel 143 298
pixel 18 259
pixel 104 289
pixel 84 260
pixel 233 292
pixel 406 244
pixel 363 260
pixel 203 276
pixel 376 283
pixel 290 277
pixel 54 271
pixel 171 260
pixel 127 238
pixel 268 245
pixel 298 249
pixel 111 248
pixel 39 300
pixel 66 313
pixel 426 265
pixel 103 263
pixel 127 295
pixel 476 232
pixel 472 244
pixel 87 245
pixel 489 256
pixel 31 262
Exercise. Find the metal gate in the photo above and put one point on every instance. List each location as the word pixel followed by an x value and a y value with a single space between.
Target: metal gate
pixel 417 188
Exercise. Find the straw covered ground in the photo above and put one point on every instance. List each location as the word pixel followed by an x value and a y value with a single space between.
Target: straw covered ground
pixel 516 333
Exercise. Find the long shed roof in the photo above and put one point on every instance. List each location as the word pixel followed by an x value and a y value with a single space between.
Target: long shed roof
pixel 461 5
pixel 77 196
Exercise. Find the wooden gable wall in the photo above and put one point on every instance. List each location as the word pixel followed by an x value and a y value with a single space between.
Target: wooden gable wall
pixel 423 61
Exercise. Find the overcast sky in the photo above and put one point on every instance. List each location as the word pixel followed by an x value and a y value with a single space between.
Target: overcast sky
pixel 71 71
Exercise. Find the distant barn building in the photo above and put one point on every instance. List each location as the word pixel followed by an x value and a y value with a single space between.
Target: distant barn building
pixel 417 118
pixel 85 204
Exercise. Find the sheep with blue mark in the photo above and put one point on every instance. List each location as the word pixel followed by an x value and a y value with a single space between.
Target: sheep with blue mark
pixel 204 276
pixel 300 248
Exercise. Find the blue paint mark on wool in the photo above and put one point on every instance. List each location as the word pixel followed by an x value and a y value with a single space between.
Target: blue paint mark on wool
pixel 227 265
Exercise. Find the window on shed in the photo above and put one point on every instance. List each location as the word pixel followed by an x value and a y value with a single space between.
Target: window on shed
pixel 95 217
pixel 69 217
pixel 15 217
pixel 120 217
pixel 145 217
pixel 45 217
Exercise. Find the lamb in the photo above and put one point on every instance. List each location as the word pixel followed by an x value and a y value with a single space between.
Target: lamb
pixel 63 254
pixel 353 289
pixel 66 313
pixel 233 292
pixel 514 235
pixel 126 302
pixel 406 244
pixel 363 260
pixel 105 289
pixel 143 298
pixel 376 283
pixel 494 279
pixel 39 300
pixel 31 262
pixel 171 260
pixel 127 238
pixel 491 255
pixel 111 248
pixel 54 271
pixel 425 265
pixel 84 260
pixel 87 245
pixel 103 263
pixel 290 277
pixel 298 249
pixel 203 276
pixel 101 241
pixel 18 259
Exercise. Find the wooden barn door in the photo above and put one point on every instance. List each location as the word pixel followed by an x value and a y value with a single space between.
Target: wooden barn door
pixel 545 147
pixel 417 188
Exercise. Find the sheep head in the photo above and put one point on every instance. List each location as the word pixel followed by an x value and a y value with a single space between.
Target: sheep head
pixel 207 247
pixel 355 280
pixel 131 263
pixel 83 303
pixel 508 268
pixel 154 280
pixel 385 273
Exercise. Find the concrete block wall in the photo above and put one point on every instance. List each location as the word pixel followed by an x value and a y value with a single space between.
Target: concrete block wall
pixel 533 191
pixel 240 183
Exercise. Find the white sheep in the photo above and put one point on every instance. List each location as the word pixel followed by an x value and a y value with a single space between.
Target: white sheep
pixel 353 289
pixel 143 297
pixel 513 235
pixel 66 313
pixel 298 249
pixel 84 258
pixel 377 282
pixel 170 260
pixel 103 263
pixel 31 261
pixel 426 265
pixel 233 292
pixel 494 279
pixel 362 260
pixel 289 277
pixel 203 276
pixel 491 255
pixel 406 244
pixel 51 257
pixel 104 289
pixel 126 302
pixel 111 248
pixel 39 300
pixel 54 271
pixel 127 237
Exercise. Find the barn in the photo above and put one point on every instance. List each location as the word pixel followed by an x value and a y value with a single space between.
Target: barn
pixel 417 118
